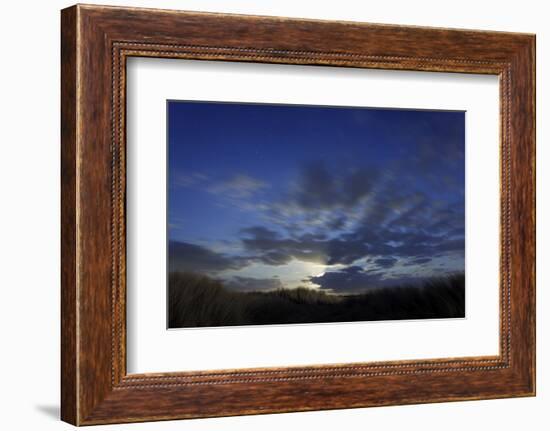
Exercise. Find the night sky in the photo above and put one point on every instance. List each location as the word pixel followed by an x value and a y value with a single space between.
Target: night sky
pixel 342 199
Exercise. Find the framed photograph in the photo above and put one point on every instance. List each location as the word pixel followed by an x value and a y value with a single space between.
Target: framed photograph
pixel 265 214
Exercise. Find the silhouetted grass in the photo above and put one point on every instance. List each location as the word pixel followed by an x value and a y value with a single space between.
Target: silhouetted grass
pixel 197 301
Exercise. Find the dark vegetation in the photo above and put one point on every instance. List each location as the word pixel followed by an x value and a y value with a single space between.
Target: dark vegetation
pixel 198 301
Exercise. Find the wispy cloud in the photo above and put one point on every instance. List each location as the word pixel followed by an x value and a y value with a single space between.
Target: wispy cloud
pixel 190 179
pixel 355 279
pixel 239 186
pixel 184 256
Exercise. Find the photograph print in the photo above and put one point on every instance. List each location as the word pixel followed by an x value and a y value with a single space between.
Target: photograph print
pixel 298 214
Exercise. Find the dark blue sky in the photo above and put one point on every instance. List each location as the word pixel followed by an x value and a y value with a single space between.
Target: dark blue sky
pixel 336 198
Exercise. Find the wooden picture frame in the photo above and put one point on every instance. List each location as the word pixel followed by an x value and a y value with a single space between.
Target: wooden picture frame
pixel 95 43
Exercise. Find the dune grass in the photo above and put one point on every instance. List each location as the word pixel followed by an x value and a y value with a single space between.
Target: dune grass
pixel 198 301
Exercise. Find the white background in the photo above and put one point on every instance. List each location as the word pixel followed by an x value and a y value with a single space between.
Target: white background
pixel 151 348
pixel 29 228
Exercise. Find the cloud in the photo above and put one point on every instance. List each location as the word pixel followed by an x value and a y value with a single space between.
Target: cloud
pixel 249 284
pixel 342 218
pixel 354 279
pixel 239 186
pixel 336 223
pixel 273 249
pixel 184 256
pixel 382 245
pixel 385 262
pixel 319 188
pixel 189 179
pixel 418 261
pixel 260 233
pixel 275 258
pixel 327 202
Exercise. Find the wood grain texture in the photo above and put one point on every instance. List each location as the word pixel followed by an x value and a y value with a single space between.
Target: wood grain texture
pixel 96 41
pixel 69 366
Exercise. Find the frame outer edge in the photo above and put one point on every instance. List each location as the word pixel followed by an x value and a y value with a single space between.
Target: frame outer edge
pixel 69 202
pixel 523 180
pixel 532 101
pixel 533 53
pixel 530 63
